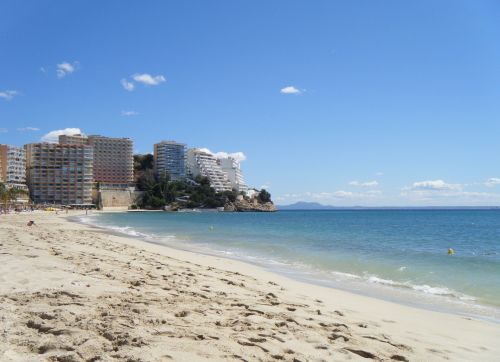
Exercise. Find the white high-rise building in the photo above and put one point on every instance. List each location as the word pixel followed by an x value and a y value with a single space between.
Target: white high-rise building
pixel 170 158
pixel 13 166
pixel 201 163
pixel 231 168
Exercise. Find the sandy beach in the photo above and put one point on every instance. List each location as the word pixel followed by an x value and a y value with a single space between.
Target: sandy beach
pixel 70 292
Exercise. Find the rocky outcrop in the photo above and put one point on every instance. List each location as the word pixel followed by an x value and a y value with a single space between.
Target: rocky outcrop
pixel 252 205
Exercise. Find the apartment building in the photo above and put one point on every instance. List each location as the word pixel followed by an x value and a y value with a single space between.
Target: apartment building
pixel 231 167
pixel 60 173
pixel 113 161
pixel 13 166
pixel 201 163
pixel 170 158
pixel 113 158
pixel 75 139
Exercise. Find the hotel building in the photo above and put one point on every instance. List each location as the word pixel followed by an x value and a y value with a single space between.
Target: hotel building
pixel 75 139
pixel 201 163
pixel 232 169
pixel 170 158
pixel 113 161
pixel 113 158
pixel 13 166
pixel 60 173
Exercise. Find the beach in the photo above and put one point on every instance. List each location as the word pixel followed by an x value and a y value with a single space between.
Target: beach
pixel 72 292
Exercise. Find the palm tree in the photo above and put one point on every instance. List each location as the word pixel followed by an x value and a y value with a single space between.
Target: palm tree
pixel 3 194
pixel 9 194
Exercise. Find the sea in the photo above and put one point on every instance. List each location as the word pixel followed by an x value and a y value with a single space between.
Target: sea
pixel 396 255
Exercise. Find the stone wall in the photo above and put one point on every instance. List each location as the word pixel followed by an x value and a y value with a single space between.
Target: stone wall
pixel 115 198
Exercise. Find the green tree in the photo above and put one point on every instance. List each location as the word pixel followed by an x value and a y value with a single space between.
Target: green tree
pixel 143 162
pixel 10 194
pixel 264 196
pixel 160 191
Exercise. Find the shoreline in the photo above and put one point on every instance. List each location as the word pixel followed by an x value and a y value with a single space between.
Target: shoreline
pixel 390 292
pixel 59 260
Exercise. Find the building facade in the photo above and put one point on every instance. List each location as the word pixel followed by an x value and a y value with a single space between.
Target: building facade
pixel 75 139
pixel 13 166
pixel 170 158
pixel 60 173
pixel 113 161
pixel 232 169
pixel 201 163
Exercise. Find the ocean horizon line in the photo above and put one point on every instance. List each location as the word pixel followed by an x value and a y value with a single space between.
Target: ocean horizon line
pixel 321 207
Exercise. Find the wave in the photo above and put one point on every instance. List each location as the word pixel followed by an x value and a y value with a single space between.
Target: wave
pixel 424 288
pixel 291 267
pixel 347 275
pixel 127 230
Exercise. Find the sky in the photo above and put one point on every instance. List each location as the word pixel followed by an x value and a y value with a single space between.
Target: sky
pixel 355 102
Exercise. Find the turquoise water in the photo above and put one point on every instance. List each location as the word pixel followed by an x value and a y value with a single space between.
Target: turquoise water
pixel 400 255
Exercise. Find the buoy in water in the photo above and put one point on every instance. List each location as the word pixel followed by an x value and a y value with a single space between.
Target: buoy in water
pixel 211 227
pixel 451 251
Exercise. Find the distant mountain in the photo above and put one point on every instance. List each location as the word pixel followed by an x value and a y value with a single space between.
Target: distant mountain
pixel 302 205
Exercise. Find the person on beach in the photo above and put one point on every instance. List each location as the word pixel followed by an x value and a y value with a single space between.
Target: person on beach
pixel 31 223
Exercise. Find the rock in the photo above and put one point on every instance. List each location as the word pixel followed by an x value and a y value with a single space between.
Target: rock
pixel 251 205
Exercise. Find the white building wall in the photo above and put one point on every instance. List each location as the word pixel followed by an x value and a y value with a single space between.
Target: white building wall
pixel 13 165
pixel 200 163
pixel 170 157
pixel 232 169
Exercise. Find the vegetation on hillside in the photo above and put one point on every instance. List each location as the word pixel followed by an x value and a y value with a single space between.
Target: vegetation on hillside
pixel 160 191
pixel 142 164
pixel 264 196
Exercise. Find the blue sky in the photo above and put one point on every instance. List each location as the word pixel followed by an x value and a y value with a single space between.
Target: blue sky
pixel 340 102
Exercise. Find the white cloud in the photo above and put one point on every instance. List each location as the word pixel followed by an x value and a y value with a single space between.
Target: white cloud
pixel 4 130
pixel 145 79
pixel 127 85
pixel 129 113
pixel 238 156
pixel 450 197
pixel 148 79
pixel 335 196
pixel 65 68
pixel 8 94
pixel 379 174
pixel 28 129
pixel 492 182
pixel 434 185
pixel 290 90
pixel 341 194
pixel 364 184
pixel 441 192
pixel 53 136
pixel 43 70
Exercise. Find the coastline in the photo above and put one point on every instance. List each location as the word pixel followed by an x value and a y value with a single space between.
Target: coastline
pixel 435 297
pixel 213 307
